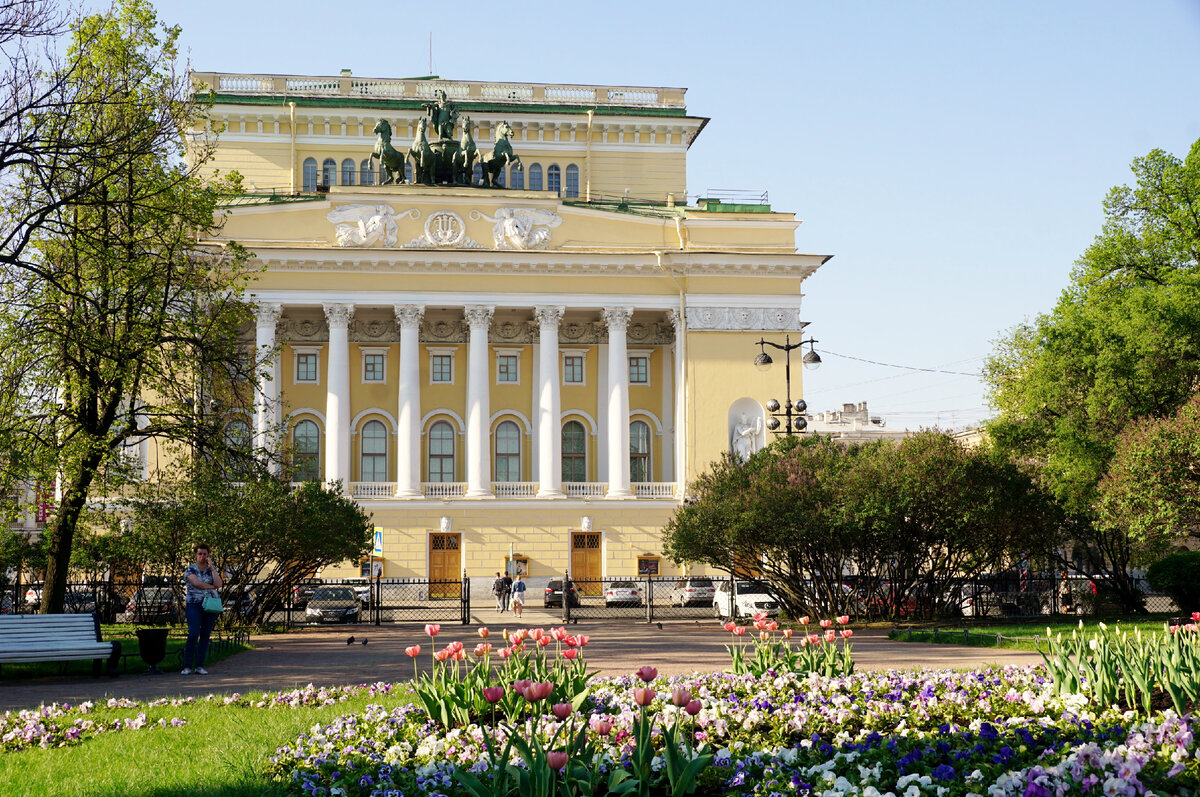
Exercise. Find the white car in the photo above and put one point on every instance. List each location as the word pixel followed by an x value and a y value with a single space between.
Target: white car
pixel 622 593
pixel 692 591
pixel 752 598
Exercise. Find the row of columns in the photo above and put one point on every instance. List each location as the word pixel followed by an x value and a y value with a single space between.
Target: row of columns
pixel 408 415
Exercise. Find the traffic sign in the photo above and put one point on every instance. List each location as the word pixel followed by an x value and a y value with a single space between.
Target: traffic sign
pixel 378 541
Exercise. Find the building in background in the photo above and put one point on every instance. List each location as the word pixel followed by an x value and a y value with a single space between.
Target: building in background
pixel 524 375
pixel 853 424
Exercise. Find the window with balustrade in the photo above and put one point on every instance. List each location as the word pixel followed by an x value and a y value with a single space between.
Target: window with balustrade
pixel 306 452
pixel 639 452
pixel 508 452
pixel 554 179
pixel 329 172
pixel 572 181
pixel 366 172
pixel 574 452
pixel 310 175
pixel 374 452
pixel 348 171
pixel 535 177
pixel 441 452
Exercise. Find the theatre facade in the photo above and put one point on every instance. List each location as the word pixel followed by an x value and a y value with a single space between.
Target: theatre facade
pixel 501 320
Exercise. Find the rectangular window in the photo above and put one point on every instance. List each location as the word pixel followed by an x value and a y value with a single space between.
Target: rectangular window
pixel 306 367
pixel 639 370
pixel 442 368
pixel 507 368
pixel 572 370
pixel 373 367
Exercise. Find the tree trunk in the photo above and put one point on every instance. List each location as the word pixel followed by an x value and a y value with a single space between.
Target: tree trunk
pixel 62 535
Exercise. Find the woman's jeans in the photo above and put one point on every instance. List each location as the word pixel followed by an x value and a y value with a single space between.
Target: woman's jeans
pixel 200 626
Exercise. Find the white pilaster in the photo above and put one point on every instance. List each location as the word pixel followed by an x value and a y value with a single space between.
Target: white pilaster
pixel 479 412
pixel 408 408
pixel 680 324
pixel 266 396
pixel 617 319
pixel 549 403
pixel 337 396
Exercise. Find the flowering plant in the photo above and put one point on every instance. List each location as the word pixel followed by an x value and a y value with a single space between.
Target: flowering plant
pixel 812 652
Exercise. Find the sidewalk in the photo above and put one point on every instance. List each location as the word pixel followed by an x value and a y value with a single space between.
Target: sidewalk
pixel 322 657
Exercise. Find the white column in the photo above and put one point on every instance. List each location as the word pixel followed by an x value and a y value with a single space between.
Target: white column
pixel 479 407
pixel 408 408
pixel 680 409
pixel 549 404
pixel 337 396
pixel 617 319
pixel 266 395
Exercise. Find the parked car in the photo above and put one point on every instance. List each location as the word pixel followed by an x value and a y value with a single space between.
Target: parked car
pixel 622 593
pixel 78 600
pixel 333 605
pixel 751 598
pixel 153 605
pixel 33 597
pixel 361 587
pixel 302 592
pixel 692 591
pixel 554 593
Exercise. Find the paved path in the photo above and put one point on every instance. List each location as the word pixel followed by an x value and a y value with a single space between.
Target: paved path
pixel 321 656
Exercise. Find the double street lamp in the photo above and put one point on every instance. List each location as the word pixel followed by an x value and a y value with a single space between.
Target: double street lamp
pixel 789 415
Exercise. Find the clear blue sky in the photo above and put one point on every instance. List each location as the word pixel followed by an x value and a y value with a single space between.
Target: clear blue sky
pixel 952 156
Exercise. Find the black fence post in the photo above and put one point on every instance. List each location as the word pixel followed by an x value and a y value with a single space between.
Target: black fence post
pixel 464 598
pixel 378 599
pixel 566 598
pixel 649 598
pixel 732 596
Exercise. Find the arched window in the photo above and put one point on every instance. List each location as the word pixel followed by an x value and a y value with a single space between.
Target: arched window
pixel 374 452
pixel 441 452
pixel 574 452
pixel 408 172
pixel 639 451
pixel 572 180
pixel 310 175
pixel 518 178
pixel 535 177
pixel 508 452
pixel 237 435
pixel 348 172
pixel 477 174
pixel 553 179
pixel 306 452
pixel 366 172
pixel 329 172
pixel 500 177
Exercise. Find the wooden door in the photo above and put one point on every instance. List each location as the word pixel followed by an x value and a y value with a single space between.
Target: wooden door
pixel 445 565
pixel 585 562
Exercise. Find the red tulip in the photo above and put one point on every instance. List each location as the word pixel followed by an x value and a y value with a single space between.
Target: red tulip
pixel 845 618
pixel 680 696
pixel 557 760
pixel 771 625
pixel 729 626
pixel 559 634
pixel 493 694
pixel 739 630
pixel 787 633
pixel 441 655
pixel 826 623
pixel 1196 617
pixel 459 655
pixel 413 651
pixel 602 725
pixel 433 629
pixel 644 695
pixel 455 646
pixel 804 620
pixel 570 653
pixel 562 710
pixel 693 707
pixel 544 641
pixel 830 635
pixel 1173 629
pixel 847 633
pixel 482 649
pixel 583 640
pixel 646 673
pixel 483 631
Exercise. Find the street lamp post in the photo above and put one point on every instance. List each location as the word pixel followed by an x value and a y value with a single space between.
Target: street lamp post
pixel 792 412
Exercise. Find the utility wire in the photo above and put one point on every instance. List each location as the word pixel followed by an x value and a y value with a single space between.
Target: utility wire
pixel 905 367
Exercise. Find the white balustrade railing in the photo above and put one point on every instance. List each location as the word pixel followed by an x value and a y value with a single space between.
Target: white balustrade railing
pixel 514 489
pixel 372 489
pixel 654 489
pixel 458 90
pixel 443 489
pixel 585 489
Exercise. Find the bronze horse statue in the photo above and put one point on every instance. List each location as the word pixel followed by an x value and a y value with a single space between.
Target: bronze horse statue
pixel 391 162
pixel 424 161
pixel 501 154
pixel 464 159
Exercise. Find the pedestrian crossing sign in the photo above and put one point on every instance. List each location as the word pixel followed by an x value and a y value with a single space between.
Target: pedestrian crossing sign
pixel 378 541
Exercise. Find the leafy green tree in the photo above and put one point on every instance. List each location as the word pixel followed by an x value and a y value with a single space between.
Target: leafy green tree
pixel 114 322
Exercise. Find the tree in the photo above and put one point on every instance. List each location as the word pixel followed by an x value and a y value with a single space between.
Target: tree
pixel 115 322
pixel 1123 342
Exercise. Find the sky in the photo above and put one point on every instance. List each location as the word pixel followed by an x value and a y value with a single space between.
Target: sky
pixel 953 157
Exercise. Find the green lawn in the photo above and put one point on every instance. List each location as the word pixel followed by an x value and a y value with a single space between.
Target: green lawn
pixel 222 750
pixel 1015 636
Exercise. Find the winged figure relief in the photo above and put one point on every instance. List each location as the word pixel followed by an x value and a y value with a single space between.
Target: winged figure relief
pixel 364 225
pixel 521 228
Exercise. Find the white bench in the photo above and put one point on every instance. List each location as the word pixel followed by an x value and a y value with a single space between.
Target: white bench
pixel 55 637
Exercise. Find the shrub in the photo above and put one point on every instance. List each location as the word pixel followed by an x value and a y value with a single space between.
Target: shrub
pixel 1178 575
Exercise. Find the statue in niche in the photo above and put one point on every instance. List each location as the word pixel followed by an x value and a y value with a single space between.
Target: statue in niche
pixel 745 437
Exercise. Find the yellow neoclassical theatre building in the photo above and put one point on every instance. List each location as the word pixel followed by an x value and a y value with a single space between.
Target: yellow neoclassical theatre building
pixel 527 372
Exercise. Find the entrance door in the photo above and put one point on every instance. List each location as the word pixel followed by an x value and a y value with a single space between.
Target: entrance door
pixel 585 562
pixel 445 566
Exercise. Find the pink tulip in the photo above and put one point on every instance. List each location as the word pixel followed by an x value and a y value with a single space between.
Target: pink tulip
pixel 441 655
pixel 562 710
pixel 739 630
pixel 537 633
pixel 826 623
pixel 845 618
pixel 601 725
pixel 759 625
pixel 433 629
pixel 505 653
pixel 570 654
pixel 413 651
pixel 644 695
pixel 583 640
pixel 571 641
pixel 771 625
pixel 459 655
pixel 544 641
pixel 1191 627
pixel 680 696
pixel 520 686
pixel 804 620
pixel 1173 629
pixel 830 635
pixel 538 690
pixel 646 673
pixel 764 635
pixel 693 707
pixel 557 760
pixel 803 641
pixel 483 632
pixel 759 617
pixel 847 633
pixel 814 639
pixel 787 633
pixel 455 646
pixel 559 634
pixel 482 649
pixel 729 626
pixel 493 694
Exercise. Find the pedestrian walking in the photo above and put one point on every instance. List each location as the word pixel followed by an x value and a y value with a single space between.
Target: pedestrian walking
pixel 507 593
pixel 498 591
pixel 518 596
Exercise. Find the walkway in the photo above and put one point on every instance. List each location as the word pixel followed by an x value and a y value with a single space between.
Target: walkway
pixel 321 656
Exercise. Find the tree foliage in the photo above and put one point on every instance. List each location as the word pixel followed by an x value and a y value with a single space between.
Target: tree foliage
pixel 909 519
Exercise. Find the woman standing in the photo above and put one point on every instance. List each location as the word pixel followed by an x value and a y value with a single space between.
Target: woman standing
pixel 518 596
pixel 203 581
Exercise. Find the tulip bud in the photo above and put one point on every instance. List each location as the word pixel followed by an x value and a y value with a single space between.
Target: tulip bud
pixel 483 632
pixel 602 725
pixel 557 760
pixel 804 620
pixel 562 710
pixel 644 695
pixel 493 694
pixel 764 635
pixel 693 707
pixel 680 696
pixel 646 673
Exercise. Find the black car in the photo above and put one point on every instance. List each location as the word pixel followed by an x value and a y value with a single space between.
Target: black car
pixel 333 605
pixel 553 595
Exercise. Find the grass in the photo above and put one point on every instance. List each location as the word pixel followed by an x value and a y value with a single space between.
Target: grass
pixel 222 750
pixel 1016 636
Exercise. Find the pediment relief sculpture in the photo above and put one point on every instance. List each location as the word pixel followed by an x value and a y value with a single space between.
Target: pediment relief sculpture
pixel 367 225
pixel 520 228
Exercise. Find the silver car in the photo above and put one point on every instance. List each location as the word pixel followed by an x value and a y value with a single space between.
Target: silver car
pixel 692 591
pixel 622 593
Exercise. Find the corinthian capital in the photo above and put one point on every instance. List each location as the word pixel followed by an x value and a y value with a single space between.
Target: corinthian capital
pixel 409 316
pixel 479 316
pixel 617 318
pixel 339 315
pixel 267 314
pixel 548 315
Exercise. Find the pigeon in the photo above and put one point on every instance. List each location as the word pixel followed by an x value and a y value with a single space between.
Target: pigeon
pixel 659 626
pixel 350 641
pixel 364 640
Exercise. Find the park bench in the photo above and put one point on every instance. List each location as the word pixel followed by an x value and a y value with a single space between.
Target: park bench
pixel 55 637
